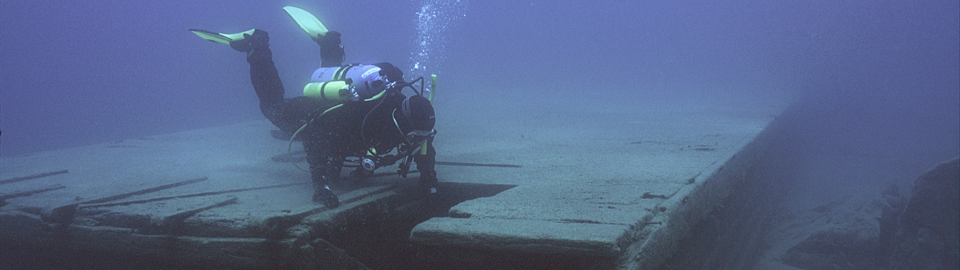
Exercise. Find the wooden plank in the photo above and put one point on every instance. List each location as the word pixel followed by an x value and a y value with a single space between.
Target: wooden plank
pixel 145 191
pixel 35 176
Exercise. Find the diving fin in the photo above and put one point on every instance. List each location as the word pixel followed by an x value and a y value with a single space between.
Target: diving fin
pixel 221 37
pixel 306 21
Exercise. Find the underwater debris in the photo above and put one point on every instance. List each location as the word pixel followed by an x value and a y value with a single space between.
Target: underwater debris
pixel 648 195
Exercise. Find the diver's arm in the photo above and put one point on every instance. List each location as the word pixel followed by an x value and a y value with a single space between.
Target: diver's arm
pixel 425 165
pixel 319 153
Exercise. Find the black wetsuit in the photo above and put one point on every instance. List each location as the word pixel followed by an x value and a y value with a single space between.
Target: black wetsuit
pixel 336 134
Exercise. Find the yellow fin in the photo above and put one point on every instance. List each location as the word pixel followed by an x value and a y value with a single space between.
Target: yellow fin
pixel 220 37
pixel 306 21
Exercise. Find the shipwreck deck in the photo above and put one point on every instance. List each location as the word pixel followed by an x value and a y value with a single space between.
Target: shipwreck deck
pixel 605 186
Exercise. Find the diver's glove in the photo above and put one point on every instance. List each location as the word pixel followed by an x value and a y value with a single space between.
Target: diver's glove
pixel 325 196
pixel 428 182
pixel 360 174
pixel 322 193
pixel 392 73
pixel 259 39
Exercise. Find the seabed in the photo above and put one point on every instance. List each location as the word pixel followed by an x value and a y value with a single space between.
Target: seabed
pixel 598 187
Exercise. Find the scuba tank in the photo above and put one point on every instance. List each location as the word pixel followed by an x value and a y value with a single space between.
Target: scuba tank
pixel 330 91
pixel 350 82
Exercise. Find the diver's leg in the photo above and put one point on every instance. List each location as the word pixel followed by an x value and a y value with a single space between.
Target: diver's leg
pixel 286 114
pixel 266 82
pixel 264 76
pixel 263 73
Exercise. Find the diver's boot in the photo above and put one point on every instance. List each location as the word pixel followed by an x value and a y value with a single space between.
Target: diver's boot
pixel 253 40
pixel 426 188
pixel 331 53
pixel 256 45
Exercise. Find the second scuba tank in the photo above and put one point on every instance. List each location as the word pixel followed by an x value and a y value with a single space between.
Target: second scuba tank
pixel 361 81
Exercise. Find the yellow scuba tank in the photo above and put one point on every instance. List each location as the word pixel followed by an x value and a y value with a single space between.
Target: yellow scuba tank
pixel 329 91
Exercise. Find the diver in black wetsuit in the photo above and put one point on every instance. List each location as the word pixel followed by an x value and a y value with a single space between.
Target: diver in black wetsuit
pixel 357 128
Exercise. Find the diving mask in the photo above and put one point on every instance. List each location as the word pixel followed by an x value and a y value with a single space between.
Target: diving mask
pixel 418 136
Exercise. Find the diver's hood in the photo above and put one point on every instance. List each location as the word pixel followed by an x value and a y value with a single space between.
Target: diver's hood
pixel 418 112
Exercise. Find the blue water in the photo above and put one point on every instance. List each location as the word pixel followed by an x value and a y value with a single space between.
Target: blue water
pixel 78 73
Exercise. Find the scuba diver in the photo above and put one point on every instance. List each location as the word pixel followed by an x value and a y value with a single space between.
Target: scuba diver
pixel 346 111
